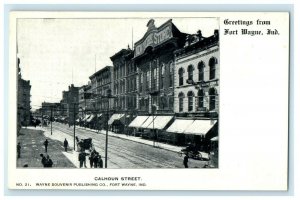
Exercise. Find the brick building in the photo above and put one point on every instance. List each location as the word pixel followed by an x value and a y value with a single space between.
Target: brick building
pixel 23 100
pixel 101 85
pixel 196 93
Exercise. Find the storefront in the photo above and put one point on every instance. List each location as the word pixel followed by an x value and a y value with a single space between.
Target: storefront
pixel 196 132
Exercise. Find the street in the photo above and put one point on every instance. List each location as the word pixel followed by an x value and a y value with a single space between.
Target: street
pixel 122 153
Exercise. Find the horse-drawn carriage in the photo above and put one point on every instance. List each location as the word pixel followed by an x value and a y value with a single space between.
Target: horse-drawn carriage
pixel 84 144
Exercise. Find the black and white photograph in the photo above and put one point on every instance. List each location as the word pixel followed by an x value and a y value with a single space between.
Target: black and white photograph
pixel 148 101
pixel 121 93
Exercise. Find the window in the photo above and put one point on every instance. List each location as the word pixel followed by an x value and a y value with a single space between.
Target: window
pixel 201 71
pixel 147 80
pixel 180 73
pixel 154 79
pixel 141 82
pixel 171 102
pixel 181 98
pixel 190 100
pixel 163 102
pixel 171 74
pixel 190 72
pixel 162 76
pixel 212 98
pixel 200 99
pixel 212 68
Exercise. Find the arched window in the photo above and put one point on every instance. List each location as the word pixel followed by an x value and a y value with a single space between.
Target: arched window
pixel 201 71
pixel 200 99
pixel 181 98
pixel 212 98
pixel 171 74
pixel 162 76
pixel 190 100
pixel 190 72
pixel 180 73
pixel 212 68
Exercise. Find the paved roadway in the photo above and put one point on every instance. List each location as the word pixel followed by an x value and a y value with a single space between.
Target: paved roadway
pixel 128 154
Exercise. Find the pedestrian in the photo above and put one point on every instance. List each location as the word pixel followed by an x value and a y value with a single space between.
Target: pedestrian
pixel 100 162
pixel 185 161
pixel 92 157
pixel 48 162
pixel 66 144
pixel 46 145
pixel 96 160
pixel 44 159
pixel 19 150
pixel 82 159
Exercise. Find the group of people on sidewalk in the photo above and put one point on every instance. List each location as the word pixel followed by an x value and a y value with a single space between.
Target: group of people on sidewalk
pixel 94 158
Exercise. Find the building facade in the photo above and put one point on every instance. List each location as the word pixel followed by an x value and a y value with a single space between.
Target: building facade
pixel 23 100
pixel 154 60
pixel 197 75
pixel 196 93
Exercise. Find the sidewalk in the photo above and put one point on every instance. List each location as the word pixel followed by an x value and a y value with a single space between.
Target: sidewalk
pixel 32 140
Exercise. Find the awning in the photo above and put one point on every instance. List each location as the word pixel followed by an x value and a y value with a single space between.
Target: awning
pixel 200 127
pixel 148 122
pixel 214 139
pixel 86 117
pixel 115 117
pixel 138 121
pixel 160 122
pixel 90 118
pixel 179 125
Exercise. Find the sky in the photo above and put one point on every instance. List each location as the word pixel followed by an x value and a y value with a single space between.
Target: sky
pixel 55 53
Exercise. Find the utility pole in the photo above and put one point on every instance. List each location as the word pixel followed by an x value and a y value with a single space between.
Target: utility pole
pixel 74 124
pixel 51 118
pixel 106 136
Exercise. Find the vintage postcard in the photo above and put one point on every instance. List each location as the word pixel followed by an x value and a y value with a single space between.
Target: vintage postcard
pixel 148 101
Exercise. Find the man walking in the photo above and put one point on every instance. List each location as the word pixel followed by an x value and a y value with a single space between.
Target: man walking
pixel 46 145
pixel 66 144
pixel 82 159
pixel 43 161
pixel 19 150
pixel 185 161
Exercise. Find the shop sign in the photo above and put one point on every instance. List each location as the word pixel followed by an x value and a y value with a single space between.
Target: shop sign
pixel 153 39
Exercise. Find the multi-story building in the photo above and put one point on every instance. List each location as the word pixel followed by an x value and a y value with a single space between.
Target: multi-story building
pixel 124 89
pixel 72 104
pixel 197 75
pixel 23 99
pixel 154 59
pixel 64 104
pixel 101 86
pixel 196 91
pixel 85 102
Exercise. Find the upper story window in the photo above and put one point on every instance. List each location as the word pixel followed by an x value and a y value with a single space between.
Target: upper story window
pixel 212 98
pixel 162 76
pixel 190 72
pixel 212 68
pixel 200 99
pixel 171 74
pixel 181 98
pixel 190 100
pixel 180 73
pixel 201 71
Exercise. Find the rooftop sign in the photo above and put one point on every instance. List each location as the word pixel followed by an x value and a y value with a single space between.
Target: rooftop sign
pixel 153 37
